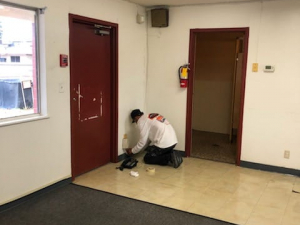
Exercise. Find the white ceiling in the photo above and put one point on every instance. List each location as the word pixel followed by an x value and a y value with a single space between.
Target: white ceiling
pixel 149 3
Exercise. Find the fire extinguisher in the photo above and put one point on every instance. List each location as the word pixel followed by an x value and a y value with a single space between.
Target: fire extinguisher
pixel 183 75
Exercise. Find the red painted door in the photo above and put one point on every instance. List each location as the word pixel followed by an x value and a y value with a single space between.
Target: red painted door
pixel 90 64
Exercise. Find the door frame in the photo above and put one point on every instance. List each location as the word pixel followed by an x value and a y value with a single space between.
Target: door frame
pixel 114 88
pixel 189 108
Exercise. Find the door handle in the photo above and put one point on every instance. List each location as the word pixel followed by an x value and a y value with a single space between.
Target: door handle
pixel 78 102
pixel 101 101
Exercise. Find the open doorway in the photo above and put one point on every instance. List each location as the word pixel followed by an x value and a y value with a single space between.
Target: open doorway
pixel 216 94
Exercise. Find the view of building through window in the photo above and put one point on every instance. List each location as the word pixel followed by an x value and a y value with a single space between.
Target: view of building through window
pixel 18 73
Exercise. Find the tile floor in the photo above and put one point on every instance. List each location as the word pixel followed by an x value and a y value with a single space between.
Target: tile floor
pixel 218 190
pixel 213 146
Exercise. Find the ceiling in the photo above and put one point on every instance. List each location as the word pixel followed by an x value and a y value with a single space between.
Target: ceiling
pixel 149 3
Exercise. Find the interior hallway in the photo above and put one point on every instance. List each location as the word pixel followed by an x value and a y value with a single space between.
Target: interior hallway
pixel 218 190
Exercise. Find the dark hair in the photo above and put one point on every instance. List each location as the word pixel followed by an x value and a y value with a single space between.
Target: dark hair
pixel 135 113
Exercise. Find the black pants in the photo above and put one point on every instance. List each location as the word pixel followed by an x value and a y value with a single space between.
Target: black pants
pixel 159 156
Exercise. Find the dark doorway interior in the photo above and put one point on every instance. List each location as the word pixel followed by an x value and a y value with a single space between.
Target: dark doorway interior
pixel 217 98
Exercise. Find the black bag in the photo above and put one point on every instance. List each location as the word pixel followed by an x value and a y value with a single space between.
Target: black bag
pixel 128 163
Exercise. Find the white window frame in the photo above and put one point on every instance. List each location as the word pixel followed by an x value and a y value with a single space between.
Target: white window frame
pixel 40 68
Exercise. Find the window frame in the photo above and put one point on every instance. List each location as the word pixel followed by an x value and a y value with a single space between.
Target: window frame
pixel 39 66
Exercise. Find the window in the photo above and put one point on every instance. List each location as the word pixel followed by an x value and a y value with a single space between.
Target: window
pixel 15 58
pixel 19 87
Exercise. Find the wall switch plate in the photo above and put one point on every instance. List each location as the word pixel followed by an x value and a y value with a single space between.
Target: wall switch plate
pixel 255 67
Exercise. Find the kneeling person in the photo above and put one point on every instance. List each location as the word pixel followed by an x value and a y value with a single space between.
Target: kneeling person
pixel 154 128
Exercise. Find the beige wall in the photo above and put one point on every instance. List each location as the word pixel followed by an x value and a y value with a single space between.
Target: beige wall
pixel 215 53
pixel 38 153
pixel 272 100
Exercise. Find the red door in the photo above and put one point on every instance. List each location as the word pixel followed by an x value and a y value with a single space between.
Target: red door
pixel 91 95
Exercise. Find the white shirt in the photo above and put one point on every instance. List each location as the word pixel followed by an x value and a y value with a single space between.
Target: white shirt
pixel 156 129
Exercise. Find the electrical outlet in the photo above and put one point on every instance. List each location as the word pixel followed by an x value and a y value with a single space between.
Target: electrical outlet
pixel 286 154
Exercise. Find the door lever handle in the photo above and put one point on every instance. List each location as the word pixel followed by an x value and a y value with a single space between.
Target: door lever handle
pixel 74 99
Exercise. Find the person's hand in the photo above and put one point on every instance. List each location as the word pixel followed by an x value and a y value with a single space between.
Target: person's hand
pixel 128 151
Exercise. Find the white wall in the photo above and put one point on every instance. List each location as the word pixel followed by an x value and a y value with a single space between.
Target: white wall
pixel 36 154
pixel 272 100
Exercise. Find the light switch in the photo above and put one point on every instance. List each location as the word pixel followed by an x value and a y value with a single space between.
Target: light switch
pixel 255 67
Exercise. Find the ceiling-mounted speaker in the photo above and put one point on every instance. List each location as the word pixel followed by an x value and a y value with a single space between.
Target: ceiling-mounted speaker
pixel 160 17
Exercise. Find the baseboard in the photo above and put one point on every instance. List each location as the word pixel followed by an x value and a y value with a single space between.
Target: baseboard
pixel 124 156
pixel 19 201
pixel 269 168
pixel 181 153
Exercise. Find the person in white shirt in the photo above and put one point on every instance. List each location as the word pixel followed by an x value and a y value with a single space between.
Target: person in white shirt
pixel 157 137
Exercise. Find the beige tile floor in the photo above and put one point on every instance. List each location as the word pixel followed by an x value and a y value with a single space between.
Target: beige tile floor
pixel 218 190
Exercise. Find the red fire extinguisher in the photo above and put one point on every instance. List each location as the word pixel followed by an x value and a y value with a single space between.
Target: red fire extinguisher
pixel 183 75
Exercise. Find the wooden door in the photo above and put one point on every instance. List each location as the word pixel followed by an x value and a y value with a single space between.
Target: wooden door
pixel 236 86
pixel 91 95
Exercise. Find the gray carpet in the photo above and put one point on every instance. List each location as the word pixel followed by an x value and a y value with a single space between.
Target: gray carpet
pixel 213 146
pixel 74 205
